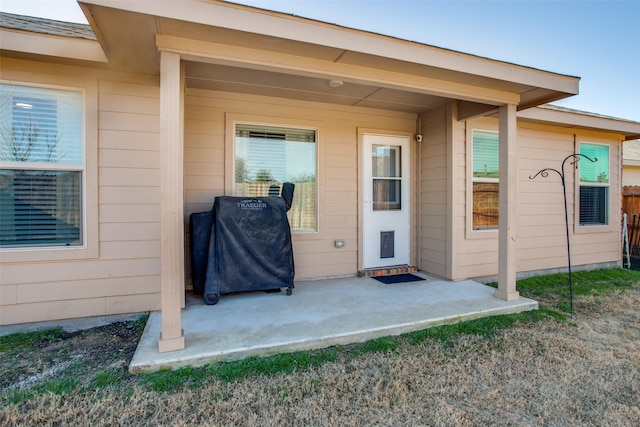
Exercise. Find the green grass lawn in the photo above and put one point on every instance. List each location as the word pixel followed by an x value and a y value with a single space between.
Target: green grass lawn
pixel 551 291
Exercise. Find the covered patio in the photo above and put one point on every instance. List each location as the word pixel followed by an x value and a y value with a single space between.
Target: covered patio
pixel 241 53
pixel 319 314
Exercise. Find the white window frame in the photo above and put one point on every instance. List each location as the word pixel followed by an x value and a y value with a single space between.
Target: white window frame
pixel 234 119
pixel 89 192
pixel 471 232
pixel 578 184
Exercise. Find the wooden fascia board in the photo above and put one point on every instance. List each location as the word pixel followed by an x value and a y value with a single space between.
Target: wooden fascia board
pixel 195 50
pixel 275 24
pixel 44 44
pixel 470 110
pixel 630 130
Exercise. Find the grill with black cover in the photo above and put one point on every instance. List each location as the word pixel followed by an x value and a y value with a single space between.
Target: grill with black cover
pixel 249 246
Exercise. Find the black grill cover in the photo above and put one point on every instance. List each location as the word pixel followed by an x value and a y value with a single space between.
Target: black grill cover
pixel 249 248
pixel 200 234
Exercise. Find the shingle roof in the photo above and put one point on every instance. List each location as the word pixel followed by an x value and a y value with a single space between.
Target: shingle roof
pixel 46 26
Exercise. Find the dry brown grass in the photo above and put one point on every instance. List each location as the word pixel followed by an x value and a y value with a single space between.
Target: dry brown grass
pixel 546 373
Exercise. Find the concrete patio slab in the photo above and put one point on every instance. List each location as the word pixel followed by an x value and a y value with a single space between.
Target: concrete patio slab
pixel 319 314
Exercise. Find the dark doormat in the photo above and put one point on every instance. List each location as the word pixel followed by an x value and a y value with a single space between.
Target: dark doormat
pixel 399 278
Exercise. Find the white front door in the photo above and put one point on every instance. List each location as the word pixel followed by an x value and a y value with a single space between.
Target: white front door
pixel 386 200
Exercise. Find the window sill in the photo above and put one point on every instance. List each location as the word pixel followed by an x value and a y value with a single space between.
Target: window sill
pixel 482 234
pixel 595 228
pixel 47 254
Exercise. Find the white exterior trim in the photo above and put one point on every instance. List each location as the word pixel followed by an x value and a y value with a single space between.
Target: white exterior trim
pixel 43 44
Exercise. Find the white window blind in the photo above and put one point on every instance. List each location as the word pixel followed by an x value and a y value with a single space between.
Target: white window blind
pixel 267 156
pixel 41 166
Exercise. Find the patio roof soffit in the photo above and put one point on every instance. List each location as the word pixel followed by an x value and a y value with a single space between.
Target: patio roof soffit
pixel 280 25
pixel 244 57
pixel 221 33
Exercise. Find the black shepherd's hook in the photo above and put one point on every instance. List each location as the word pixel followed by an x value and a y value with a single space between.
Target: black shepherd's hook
pixel 545 173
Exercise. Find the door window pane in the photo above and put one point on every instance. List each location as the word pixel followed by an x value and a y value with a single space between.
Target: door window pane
pixel 385 161
pixel 387 177
pixel 387 194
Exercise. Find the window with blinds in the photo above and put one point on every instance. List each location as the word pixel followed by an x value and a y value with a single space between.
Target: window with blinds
pixel 41 166
pixel 485 179
pixel 267 156
pixel 594 184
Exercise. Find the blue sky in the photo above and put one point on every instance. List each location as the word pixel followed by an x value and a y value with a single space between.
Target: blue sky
pixel 598 41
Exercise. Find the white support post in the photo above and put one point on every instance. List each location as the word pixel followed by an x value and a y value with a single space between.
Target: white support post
pixel 171 202
pixel 507 204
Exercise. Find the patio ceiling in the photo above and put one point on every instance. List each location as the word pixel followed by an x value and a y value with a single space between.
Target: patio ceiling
pixel 130 40
pixel 268 83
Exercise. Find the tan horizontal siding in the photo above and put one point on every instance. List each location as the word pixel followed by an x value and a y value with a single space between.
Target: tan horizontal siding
pixel 326 271
pixel 477 268
pixel 110 120
pixel 129 159
pixel 127 88
pixel 121 249
pixel 433 258
pixel 86 288
pixel 541 233
pixel 129 213
pixel 8 294
pixel 73 308
pixel 435 233
pixel 61 308
pixel 122 304
pixel 80 270
pixel 110 232
pixel 315 254
pixel 124 277
pixel 129 198
pixel 433 193
pixel 128 195
pixel 134 103
pixel 201 197
pixel 631 175
pixel 202 182
pixel 123 177
pixel 128 140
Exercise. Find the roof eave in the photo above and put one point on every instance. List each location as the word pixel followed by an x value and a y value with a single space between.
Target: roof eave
pixel 57 46
pixel 579 119
pixel 276 24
